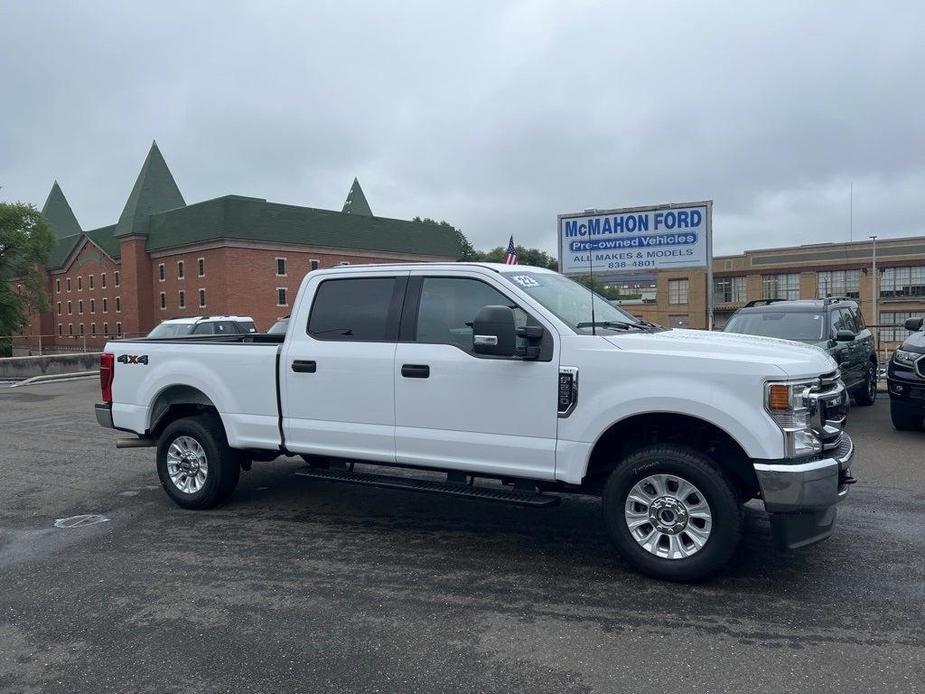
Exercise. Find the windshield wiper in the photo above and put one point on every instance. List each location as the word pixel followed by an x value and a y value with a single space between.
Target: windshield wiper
pixel 616 325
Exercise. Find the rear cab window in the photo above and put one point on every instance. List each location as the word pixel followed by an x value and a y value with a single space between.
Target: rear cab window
pixel 357 309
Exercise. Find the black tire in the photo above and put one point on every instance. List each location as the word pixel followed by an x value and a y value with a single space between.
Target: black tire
pixel 223 463
pixel 903 420
pixel 866 394
pixel 697 469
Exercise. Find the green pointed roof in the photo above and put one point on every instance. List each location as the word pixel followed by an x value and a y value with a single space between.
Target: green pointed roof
pixel 155 191
pixel 356 201
pixel 59 215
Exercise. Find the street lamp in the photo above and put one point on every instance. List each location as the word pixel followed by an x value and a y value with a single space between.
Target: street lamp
pixel 875 284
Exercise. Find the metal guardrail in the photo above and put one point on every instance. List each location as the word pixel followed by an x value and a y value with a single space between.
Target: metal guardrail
pixel 41 345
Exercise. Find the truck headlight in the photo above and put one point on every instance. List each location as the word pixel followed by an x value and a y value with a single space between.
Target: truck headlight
pixel 788 405
pixel 905 357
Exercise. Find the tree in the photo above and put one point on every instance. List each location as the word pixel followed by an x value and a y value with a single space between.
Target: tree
pixel 466 249
pixel 525 256
pixel 25 243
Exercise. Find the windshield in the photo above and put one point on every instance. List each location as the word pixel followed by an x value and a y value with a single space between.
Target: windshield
pixel 801 326
pixel 279 327
pixel 568 300
pixel 171 330
pixel 248 326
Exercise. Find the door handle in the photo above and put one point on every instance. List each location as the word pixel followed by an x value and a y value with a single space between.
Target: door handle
pixel 304 366
pixel 415 370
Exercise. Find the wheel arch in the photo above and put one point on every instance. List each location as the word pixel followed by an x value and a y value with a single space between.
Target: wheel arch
pixel 176 401
pixel 638 430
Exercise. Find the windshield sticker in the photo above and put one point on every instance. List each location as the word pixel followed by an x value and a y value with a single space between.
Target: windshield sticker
pixel 525 281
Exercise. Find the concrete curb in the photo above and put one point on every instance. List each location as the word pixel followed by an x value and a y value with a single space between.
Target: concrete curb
pixel 51 378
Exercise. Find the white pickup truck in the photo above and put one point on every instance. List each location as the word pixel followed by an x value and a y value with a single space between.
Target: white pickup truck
pixel 513 376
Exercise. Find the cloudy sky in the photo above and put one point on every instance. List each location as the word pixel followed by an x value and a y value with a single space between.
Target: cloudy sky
pixel 495 116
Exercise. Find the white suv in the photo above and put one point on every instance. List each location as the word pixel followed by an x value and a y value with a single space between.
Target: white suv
pixel 204 325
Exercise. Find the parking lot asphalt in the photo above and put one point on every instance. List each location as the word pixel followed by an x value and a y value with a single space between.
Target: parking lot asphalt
pixel 301 585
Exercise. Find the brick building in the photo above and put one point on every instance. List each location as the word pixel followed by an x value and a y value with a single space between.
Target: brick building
pixel 678 298
pixel 164 258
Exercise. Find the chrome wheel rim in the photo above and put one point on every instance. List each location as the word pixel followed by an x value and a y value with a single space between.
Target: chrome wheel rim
pixel 668 516
pixel 187 465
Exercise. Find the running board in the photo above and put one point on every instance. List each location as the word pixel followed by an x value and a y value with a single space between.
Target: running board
pixel 507 496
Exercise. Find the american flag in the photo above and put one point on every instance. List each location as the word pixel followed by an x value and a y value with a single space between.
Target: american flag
pixel 510 258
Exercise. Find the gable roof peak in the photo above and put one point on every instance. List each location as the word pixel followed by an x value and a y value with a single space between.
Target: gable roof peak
pixel 356 201
pixel 154 191
pixel 58 213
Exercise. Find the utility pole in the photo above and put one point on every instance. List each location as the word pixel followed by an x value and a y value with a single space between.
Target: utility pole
pixel 875 287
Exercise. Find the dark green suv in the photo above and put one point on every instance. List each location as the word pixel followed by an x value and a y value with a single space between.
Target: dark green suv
pixel 834 324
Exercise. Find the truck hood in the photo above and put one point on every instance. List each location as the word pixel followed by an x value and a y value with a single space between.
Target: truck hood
pixel 769 354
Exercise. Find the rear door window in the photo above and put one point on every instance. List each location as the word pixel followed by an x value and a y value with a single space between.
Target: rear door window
pixel 356 309
pixel 204 329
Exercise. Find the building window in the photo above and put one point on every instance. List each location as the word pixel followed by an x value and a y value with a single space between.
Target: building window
pixel 678 291
pixel 729 290
pixel 68 283
pixel 103 280
pixel 118 328
pixel 90 280
pixel 281 296
pixel 893 328
pixel 59 308
pixel 118 304
pixel 181 299
pixel 80 307
pixel 116 277
pixel 70 310
pixel 106 329
pixel 105 305
pixel 902 282
pixel 70 329
pixel 80 283
pixel 838 283
pixel 92 305
pixel 786 286
pixel 163 300
pixel 161 275
pixel 280 267
pixel 60 329
pixel 201 267
pixel 180 269
pixel 81 329
pixel 202 298
pixel 313 264
pixel 57 286
pixel 93 329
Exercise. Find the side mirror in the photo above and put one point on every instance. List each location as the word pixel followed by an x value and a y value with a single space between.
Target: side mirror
pixel 844 336
pixel 914 324
pixel 493 331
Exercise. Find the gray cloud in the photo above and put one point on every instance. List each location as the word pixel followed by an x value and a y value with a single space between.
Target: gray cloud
pixel 495 116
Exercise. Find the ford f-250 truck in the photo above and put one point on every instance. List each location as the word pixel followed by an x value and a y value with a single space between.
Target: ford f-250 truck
pixel 502 373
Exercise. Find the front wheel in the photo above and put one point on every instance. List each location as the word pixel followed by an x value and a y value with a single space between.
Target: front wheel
pixel 671 513
pixel 903 420
pixel 196 466
pixel 866 394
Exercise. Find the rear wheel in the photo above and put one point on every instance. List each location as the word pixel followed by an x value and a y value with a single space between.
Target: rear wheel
pixel 903 420
pixel 866 394
pixel 671 513
pixel 195 464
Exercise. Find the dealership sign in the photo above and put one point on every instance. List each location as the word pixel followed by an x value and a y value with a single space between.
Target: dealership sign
pixel 637 239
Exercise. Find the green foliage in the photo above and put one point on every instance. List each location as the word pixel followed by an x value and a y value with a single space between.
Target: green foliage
pixel 25 242
pixel 525 256
pixel 466 249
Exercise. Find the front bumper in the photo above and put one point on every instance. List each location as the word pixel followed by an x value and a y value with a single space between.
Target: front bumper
pixel 801 497
pixel 907 395
pixel 104 415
